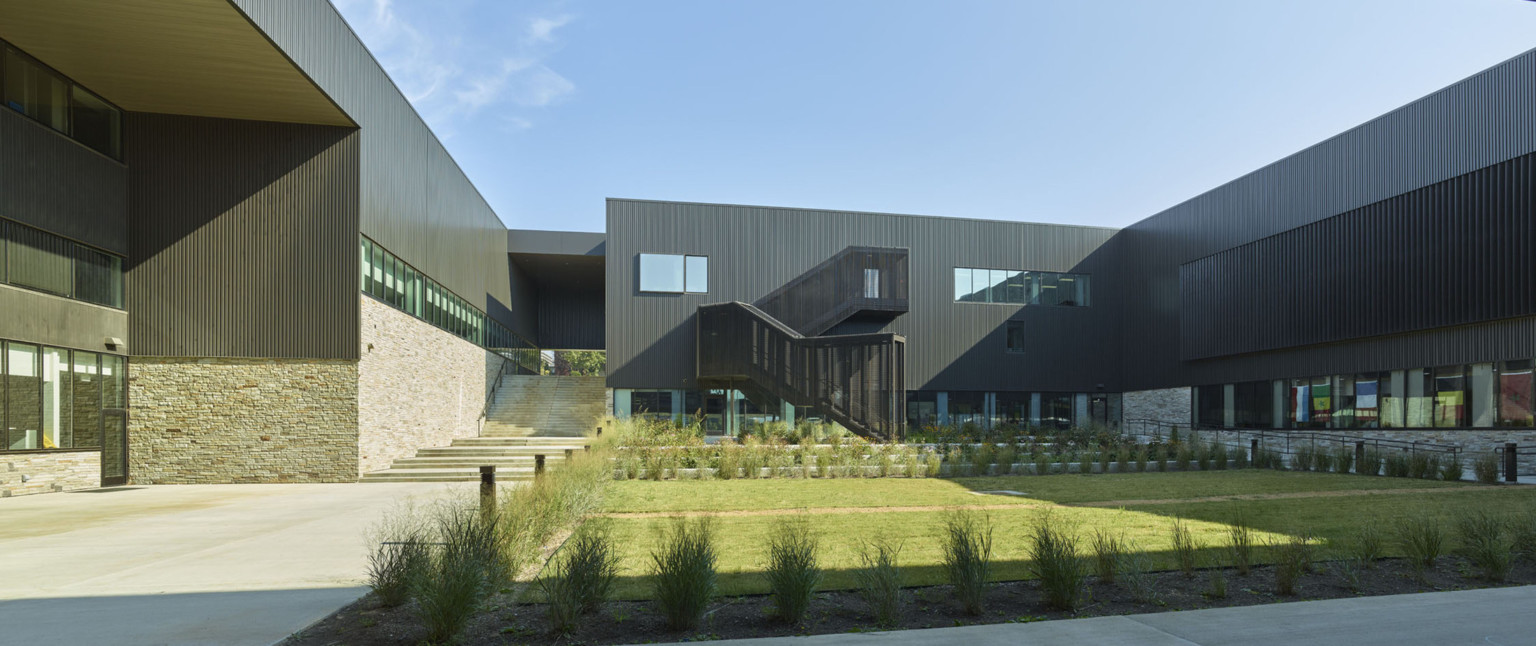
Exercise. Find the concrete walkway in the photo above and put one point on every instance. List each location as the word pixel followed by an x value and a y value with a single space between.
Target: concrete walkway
pixel 1493 617
pixel 188 564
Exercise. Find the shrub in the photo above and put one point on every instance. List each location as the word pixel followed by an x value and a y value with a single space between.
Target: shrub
pixel 1484 544
pixel 1322 460
pixel 1184 548
pixel 1135 571
pixel 1367 545
pixel 1421 540
pixel 1522 531
pixel 1371 464
pixel 1238 457
pixel 1182 457
pixel 1293 558
pixel 683 572
pixel 1451 468
pixel 1105 458
pixel 792 570
pixel 1418 465
pixel 401 556
pixel 1218 456
pixel 1108 551
pixel 1123 459
pixel 935 462
pixel 1217 588
pixel 1240 544
pixel 1397 465
pixel 580 577
pixel 1304 458
pixel 1343 459
pixel 1486 467
pixel 968 557
pixel 1054 561
pixel 1349 570
pixel 880 581
pixel 1042 463
pixel 1141 458
pixel 461 569
pixel 1066 458
pixel 1203 457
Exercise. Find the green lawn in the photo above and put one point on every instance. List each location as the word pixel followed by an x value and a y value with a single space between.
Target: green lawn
pixel 741 536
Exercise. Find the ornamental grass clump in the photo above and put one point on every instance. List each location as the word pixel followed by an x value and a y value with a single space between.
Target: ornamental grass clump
pixel 1293 558
pixel 1123 459
pixel 1136 574
pixel 1397 465
pixel 1218 456
pixel 880 581
pixel 1240 545
pixel 400 557
pixel 465 564
pixel 1343 459
pixel 1421 541
pixel 1522 533
pixel 1484 542
pixel 1486 468
pixel 1304 458
pixel 1141 458
pixel 1451 468
pixel 683 574
pixel 968 557
pixel 1108 552
pixel 1054 561
pixel 1367 544
pixel 792 571
pixel 1419 466
pixel 1182 457
pixel 1185 551
pixel 580 577
pixel 1370 465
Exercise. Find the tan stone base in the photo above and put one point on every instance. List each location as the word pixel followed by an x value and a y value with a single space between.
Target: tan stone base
pixel 29 473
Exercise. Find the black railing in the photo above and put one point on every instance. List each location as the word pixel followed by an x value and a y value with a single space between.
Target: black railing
pixel 854 281
pixel 856 379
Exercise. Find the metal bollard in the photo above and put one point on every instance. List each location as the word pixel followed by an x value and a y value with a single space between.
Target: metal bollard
pixel 538 465
pixel 1253 452
pixel 1359 456
pixel 488 489
pixel 1511 465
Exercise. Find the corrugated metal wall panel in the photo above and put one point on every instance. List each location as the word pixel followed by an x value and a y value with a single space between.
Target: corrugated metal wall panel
pixel 53 183
pixel 414 200
pixel 243 240
pixel 1482 121
pixel 950 346
pixel 571 321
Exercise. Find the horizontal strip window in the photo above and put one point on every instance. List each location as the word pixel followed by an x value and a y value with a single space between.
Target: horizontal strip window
pixel 53 398
pixel 1014 287
pixel 394 283
pixel 40 261
pixel 674 274
pixel 1481 395
pixel 50 98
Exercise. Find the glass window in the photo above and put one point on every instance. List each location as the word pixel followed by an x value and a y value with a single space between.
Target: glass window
pixel 1450 398
pixel 1482 407
pixel 57 414
pixel 1016 337
pixel 96 123
pixel 871 283
pixel 378 273
pixel 366 256
pixel 1515 394
pixel 661 273
pixel 1014 288
pixel 36 91
pixel 40 261
pixel 1210 406
pixel 114 382
pixel 1419 397
pixel 968 406
pixel 1392 386
pixel 922 408
pixel 1056 410
pixel 23 397
pixel 1311 402
pixel 85 399
pixel 98 277
pixel 1254 404
pixel 696 274
pixel 1012 408
pixel 963 285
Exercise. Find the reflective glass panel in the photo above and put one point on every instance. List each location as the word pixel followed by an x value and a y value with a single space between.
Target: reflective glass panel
pixel 661 273
pixel 696 274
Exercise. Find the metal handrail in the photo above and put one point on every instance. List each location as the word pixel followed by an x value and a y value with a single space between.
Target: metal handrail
pixel 490 397
pixel 1289 437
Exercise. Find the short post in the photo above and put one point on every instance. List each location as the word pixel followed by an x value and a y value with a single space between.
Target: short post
pixel 1253 452
pixel 1511 466
pixel 1360 456
pixel 586 448
pixel 599 431
pixel 488 489
pixel 569 453
pixel 538 465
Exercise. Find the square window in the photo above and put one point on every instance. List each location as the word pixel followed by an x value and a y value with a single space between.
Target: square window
pixel 696 274
pixel 1016 337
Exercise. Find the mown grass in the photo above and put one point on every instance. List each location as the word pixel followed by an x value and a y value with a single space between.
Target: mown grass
pixel 753 495
pixel 1332 521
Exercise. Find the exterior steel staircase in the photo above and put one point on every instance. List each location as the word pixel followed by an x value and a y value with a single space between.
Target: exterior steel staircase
pixel 527 416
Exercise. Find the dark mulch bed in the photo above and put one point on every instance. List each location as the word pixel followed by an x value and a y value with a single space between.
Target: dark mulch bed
pixel 506 621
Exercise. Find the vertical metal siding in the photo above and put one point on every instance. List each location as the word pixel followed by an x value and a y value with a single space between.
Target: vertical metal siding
pixel 243 239
pixel 55 184
pixel 952 346
pixel 1484 120
pixel 414 199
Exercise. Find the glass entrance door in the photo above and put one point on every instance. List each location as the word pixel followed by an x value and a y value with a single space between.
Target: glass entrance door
pixel 114 447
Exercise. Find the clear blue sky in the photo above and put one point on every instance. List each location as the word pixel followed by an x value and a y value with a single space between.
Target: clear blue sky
pixel 1077 112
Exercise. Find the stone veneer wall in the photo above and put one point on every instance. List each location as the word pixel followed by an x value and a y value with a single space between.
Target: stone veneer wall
pixel 48 472
pixel 1472 441
pixel 208 420
pixel 1173 405
pixel 418 386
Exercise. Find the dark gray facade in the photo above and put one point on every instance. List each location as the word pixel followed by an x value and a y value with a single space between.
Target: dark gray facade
pixel 55 184
pixel 950 346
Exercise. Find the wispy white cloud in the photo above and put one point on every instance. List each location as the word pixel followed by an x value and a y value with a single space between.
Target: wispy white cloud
pixel 450 79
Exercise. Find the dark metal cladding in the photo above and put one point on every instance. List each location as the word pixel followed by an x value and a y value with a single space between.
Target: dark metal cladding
pixel 243 238
pixel 1480 122
pixel 58 185
pixel 949 346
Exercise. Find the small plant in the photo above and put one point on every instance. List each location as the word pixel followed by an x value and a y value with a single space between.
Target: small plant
pixel 1322 460
pixel 400 558
pixel 1419 466
pixel 462 568
pixel 1240 544
pixel 1343 459
pixel 1522 534
pixel 1217 587
pixel 1123 459
pixel 1451 468
pixel 1486 468
pixel 1484 544
pixel 1182 457
pixel 683 572
pixel 1238 457
pixel 1293 558
pixel 1304 458
pixel 1141 458
pixel 1054 561
pixel 1370 464
pixel 1105 458
pixel 792 571
pixel 581 577
pixel 1135 572
pixel 968 557
pixel 1367 545
pixel 880 581
pixel 1184 548
pixel 1218 456
pixel 1042 464
pixel 1108 552
pixel 1349 570
pixel 1421 540
pixel 1397 465
pixel 1203 457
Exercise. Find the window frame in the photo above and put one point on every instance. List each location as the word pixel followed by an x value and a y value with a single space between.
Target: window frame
pixel 684 260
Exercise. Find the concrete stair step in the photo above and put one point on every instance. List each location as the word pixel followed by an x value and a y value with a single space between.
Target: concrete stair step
pixel 418 464
pixel 524 451
pixel 441 475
